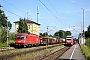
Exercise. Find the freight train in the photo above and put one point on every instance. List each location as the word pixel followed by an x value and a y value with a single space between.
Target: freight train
pixel 69 40
pixel 49 40
pixel 27 40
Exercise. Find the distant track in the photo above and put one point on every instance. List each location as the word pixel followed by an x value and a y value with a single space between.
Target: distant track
pixel 6 49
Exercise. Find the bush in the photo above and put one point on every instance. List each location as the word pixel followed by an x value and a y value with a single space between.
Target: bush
pixel 86 52
pixel 11 38
pixel 87 43
pixel 3 34
pixel 3 44
pixel 3 39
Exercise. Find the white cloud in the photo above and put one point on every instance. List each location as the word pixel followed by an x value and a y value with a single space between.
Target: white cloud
pixel 67 12
pixel 87 10
pixel 74 11
pixel 69 29
pixel 73 1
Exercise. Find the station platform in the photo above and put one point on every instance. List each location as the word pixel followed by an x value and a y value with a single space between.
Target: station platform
pixel 74 53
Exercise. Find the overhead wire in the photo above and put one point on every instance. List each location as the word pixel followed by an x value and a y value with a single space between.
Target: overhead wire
pixel 57 12
pixel 50 11
pixel 12 5
pixel 11 12
pixel 17 8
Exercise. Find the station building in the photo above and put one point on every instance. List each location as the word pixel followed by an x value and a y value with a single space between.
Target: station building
pixel 33 27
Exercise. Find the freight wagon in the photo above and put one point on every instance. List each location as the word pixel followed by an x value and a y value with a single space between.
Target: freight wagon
pixel 26 40
pixel 45 40
pixel 69 40
pixel 48 40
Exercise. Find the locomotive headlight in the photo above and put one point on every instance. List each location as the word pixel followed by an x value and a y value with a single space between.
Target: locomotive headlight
pixel 71 43
pixel 24 41
pixel 41 40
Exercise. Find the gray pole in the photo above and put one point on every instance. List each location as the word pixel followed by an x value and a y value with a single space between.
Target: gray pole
pixel 7 32
pixel 27 15
pixel 81 33
pixel 47 35
pixel 47 38
pixel 83 26
pixel 37 14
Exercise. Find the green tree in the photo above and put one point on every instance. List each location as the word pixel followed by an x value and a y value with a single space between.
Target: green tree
pixel 50 35
pixel 22 26
pixel 87 36
pixel 3 26
pixel 68 33
pixel 87 33
pixel 3 20
pixel 89 28
pixel 55 35
pixel 87 43
pixel 44 34
pixel 25 26
pixel 61 34
pixel 41 34
pixel 12 35
pixel 3 34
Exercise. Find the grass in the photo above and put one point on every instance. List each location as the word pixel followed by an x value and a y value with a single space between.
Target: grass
pixel 35 54
pixel 20 50
pixel 15 51
pixel 86 52
pixel 3 45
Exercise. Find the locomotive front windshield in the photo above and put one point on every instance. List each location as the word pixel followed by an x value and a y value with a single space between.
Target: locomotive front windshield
pixel 20 37
pixel 69 38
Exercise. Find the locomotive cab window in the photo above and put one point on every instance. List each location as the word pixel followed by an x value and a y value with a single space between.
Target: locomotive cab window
pixel 20 37
pixel 68 39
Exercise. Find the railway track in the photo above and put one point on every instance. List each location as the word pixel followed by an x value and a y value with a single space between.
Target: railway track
pixel 10 56
pixel 10 48
pixel 53 55
pixel 6 49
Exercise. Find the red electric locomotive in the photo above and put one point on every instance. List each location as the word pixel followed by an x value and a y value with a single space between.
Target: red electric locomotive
pixel 69 40
pixel 26 40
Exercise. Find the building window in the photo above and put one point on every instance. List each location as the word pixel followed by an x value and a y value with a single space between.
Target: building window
pixel 18 27
pixel 28 26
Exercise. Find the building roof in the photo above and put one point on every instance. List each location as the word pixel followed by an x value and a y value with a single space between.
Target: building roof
pixel 28 21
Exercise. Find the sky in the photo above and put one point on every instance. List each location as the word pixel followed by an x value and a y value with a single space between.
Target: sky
pixel 57 14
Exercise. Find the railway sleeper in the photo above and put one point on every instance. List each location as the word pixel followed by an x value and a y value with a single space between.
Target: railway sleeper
pixel 53 55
